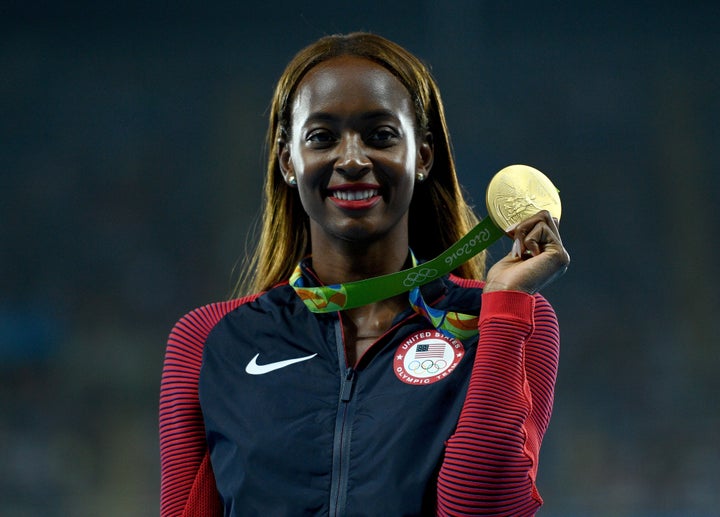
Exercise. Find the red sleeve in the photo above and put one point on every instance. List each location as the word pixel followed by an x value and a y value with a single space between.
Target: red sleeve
pixel 491 460
pixel 187 484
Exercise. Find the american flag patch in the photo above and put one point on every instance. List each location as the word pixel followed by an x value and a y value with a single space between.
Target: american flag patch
pixel 429 350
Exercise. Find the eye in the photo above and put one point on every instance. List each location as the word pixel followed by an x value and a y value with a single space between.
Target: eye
pixel 383 136
pixel 320 137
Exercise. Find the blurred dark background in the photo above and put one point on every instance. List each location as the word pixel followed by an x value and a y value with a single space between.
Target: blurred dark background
pixel 131 158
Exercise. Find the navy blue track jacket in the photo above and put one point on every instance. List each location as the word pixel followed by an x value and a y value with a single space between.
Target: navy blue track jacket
pixel 260 414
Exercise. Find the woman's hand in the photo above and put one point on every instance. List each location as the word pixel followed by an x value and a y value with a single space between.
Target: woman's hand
pixel 537 257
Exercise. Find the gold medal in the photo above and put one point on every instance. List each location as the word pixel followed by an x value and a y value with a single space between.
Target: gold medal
pixel 518 192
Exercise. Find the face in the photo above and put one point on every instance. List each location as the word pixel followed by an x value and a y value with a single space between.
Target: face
pixel 354 150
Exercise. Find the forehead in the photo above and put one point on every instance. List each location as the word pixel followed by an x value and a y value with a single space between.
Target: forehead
pixel 348 83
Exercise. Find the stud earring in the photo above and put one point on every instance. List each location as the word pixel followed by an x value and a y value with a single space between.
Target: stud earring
pixel 292 181
pixel 420 177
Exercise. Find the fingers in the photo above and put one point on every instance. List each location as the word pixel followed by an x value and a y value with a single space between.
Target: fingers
pixel 533 235
pixel 538 257
pixel 539 237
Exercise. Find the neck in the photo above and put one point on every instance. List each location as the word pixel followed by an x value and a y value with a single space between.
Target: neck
pixel 348 262
pixel 337 261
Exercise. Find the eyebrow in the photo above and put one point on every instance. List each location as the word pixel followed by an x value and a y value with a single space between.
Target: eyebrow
pixel 322 116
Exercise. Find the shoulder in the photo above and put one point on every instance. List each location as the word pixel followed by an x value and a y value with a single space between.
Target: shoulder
pixel 192 329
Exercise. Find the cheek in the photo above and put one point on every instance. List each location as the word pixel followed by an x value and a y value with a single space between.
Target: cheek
pixel 411 157
pixel 309 176
pixel 305 161
pixel 405 184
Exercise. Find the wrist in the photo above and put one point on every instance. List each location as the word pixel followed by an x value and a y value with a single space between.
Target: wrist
pixel 492 286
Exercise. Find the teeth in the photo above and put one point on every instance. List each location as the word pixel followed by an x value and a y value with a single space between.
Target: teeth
pixel 355 195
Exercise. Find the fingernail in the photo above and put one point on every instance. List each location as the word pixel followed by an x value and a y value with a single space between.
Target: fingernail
pixel 516 248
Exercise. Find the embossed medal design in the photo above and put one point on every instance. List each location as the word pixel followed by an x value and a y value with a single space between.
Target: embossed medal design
pixel 518 192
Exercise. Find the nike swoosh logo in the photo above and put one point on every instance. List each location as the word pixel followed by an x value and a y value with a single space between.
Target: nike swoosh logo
pixel 260 369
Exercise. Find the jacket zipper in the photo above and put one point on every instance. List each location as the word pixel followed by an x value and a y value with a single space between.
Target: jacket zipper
pixel 341 446
pixel 343 427
pixel 347 385
pixel 342 435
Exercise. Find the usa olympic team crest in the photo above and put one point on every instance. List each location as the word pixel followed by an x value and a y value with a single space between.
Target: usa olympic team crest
pixel 427 357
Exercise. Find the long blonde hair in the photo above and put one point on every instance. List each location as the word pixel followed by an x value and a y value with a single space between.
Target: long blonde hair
pixel 438 214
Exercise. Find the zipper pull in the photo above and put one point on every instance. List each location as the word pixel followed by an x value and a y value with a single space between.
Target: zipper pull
pixel 347 385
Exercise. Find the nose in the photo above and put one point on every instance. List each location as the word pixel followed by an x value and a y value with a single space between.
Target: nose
pixel 352 158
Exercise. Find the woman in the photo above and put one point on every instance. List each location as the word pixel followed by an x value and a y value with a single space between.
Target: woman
pixel 270 409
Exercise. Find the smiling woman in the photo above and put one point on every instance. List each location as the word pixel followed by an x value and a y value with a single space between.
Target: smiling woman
pixel 355 152
pixel 267 408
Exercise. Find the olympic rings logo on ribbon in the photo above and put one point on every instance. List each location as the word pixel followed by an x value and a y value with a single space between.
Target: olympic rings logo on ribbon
pixel 426 366
pixel 419 277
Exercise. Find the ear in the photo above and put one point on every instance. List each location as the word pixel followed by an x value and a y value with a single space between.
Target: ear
pixel 425 155
pixel 285 163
